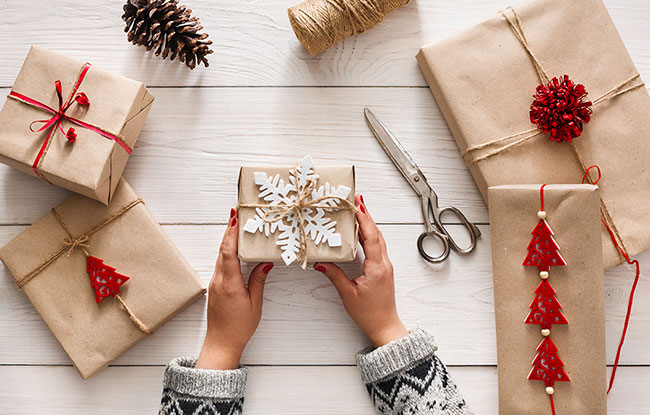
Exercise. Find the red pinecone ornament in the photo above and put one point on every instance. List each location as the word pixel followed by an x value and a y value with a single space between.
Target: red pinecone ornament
pixel 559 109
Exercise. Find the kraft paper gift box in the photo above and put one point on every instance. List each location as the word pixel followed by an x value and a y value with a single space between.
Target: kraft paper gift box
pixel 574 216
pixel 255 245
pixel 105 123
pixel 484 80
pixel 161 283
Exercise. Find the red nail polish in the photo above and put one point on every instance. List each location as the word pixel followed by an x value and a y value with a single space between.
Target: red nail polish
pixel 233 223
pixel 319 268
pixel 233 212
pixel 363 209
pixel 267 268
pixel 361 197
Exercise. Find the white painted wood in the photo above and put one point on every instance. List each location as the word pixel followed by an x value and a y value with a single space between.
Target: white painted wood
pixel 185 167
pixel 255 45
pixel 304 323
pixel 271 390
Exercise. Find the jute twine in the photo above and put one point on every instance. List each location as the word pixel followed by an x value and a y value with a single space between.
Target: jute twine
pixel 630 84
pixel 70 243
pixel 304 200
pixel 319 24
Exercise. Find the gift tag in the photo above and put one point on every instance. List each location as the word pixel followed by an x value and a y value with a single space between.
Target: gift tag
pixel 103 278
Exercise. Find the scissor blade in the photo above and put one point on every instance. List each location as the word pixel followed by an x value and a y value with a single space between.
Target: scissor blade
pixel 397 153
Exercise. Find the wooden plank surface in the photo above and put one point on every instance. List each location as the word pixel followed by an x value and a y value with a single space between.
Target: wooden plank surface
pixel 264 100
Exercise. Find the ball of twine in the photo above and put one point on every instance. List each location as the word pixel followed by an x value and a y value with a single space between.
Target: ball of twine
pixel 319 24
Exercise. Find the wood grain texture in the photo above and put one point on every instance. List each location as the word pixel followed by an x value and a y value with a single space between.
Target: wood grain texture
pixel 270 390
pixel 255 45
pixel 304 322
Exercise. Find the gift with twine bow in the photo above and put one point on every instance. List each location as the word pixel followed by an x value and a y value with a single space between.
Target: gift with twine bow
pixel 71 124
pixel 494 86
pixel 314 218
pixel 56 264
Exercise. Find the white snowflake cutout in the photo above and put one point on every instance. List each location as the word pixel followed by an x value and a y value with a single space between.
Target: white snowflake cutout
pixel 319 227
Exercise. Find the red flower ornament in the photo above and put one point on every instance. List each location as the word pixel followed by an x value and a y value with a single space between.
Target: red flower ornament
pixel 560 108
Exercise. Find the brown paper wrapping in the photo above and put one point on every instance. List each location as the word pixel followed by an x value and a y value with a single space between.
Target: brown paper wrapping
pixel 161 282
pixel 93 164
pixel 484 81
pixel 258 248
pixel 573 214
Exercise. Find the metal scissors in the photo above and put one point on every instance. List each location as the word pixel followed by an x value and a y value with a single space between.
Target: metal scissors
pixel 428 197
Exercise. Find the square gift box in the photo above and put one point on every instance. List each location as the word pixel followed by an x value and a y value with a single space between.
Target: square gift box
pixel 72 124
pixel 484 79
pixel 270 230
pixel 69 261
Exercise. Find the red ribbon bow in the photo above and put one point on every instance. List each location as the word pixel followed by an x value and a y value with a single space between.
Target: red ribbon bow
pixel 60 115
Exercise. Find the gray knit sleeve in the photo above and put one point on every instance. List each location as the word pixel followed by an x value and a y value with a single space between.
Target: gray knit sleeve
pixel 187 390
pixel 406 377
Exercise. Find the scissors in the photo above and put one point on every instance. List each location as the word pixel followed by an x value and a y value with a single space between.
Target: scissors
pixel 428 197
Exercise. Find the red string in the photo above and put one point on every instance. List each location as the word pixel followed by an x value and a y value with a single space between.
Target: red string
pixel 629 305
pixel 631 299
pixel 552 406
pixel 541 196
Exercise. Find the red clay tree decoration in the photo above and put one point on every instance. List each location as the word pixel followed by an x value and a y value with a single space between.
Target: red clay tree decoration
pixel 545 310
pixel 103 278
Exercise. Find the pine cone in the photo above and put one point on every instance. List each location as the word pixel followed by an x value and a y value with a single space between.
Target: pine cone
pixel 167 28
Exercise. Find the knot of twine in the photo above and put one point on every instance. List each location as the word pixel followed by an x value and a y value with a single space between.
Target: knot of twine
pixel 304 200
pixel 69 245
pixel 319 24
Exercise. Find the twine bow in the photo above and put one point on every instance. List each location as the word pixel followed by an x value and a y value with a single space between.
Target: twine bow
pixel 59 115
pixel 70 243
pixel 304 200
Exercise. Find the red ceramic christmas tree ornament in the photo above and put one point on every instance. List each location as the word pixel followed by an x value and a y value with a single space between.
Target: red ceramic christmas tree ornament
pixel 103 278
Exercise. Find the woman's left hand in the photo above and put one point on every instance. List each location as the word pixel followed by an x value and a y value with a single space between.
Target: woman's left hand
pixel 234 310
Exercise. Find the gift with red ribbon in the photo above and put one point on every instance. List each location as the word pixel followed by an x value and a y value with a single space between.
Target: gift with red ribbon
pixel 72 124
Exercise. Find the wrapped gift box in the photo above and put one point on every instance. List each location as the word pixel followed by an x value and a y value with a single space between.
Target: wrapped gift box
pixel 54 277
pixel 573 214
pixel 260 241
pixel 484 80
pixel 106 121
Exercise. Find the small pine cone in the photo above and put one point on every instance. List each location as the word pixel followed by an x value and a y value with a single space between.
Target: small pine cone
pixel 168 29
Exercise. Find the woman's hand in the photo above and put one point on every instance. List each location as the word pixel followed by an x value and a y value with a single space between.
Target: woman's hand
pixel 234 310
pixel 370 298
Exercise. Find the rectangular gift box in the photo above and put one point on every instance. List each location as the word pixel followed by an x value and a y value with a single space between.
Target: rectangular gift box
pixel 257 247
pixel 93 164
pixel 161 282
pixel 574 216
pixel 484 81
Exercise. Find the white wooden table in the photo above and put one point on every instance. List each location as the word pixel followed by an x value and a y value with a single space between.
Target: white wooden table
pixel 264 100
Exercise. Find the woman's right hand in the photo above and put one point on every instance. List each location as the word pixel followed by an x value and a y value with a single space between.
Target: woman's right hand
pixel 370 298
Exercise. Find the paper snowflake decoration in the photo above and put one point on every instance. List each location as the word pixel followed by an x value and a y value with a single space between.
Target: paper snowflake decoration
pixel 319 227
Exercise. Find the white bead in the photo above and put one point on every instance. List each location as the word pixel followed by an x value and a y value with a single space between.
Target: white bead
pixel 541 214
pixel 550 390
pixel 546 332
pixel 543 275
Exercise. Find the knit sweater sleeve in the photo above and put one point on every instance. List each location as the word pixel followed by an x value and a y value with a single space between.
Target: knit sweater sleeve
pixel 406 377
pixel 187 390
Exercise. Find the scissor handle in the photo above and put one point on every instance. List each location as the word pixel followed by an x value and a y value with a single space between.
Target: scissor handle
pixel 445 243
pixel 472 229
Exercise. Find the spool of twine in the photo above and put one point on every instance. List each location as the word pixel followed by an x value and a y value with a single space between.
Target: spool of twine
pixel 319 24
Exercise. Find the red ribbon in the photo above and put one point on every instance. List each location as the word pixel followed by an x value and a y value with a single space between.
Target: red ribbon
pixel 60 115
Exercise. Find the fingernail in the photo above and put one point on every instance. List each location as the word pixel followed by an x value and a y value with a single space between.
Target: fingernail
pixel 233 223
pixel 267 268
pixel 233 212
pixel 363 209
pixel 319 268
pixel 361 197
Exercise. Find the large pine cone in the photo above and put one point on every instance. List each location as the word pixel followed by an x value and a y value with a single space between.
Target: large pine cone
pixel 165 26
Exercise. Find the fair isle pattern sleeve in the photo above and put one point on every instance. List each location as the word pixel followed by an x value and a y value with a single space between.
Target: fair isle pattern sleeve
pixel 190 391
pixel 405 377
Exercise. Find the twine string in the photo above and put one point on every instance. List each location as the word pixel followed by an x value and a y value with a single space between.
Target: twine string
pixel 319 24
pixel 304 200
pixel 70 243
